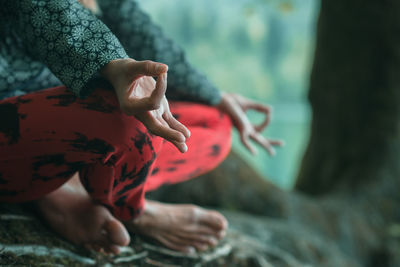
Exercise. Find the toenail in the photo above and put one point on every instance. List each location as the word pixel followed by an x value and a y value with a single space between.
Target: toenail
pixel 213 241
pixel 224 224
pixel 222 234
pixel 190 250
pixel 204 247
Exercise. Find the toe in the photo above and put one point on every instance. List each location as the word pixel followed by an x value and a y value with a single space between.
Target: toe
pixel 102 242
pixel 175 246
pixel 198 241
pixel 214 219
pixel 196 237
pixel 95 247
pixel 221 234
pixel 113 249
pixel 212 241
pixel 117 233
pixel 201 246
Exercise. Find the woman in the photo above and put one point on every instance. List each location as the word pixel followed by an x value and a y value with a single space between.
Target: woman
pixel 88 148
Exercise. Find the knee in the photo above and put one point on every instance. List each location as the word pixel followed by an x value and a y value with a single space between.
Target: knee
pixel 200 115
pixel 225 122
pixel 118 129
pixel 219 122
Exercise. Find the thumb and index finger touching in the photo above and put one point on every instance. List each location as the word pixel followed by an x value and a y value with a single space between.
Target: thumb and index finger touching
pixel 266 109
pixel 148 68
pixel 152 69
pixel 251 131
pixel 167 126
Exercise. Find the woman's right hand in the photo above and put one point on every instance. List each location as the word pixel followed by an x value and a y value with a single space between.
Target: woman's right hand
pixel 141 96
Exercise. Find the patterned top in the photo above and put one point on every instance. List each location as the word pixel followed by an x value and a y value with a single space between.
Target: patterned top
pixel 45 43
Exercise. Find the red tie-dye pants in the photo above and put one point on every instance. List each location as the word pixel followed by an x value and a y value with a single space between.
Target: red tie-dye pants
pixel 47 136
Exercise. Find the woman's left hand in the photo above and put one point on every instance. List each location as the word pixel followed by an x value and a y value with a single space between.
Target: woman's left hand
pixel 236 106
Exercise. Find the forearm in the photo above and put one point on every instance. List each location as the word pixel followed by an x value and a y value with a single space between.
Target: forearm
pixel 67 38
pixel 143 40
pixel 114 70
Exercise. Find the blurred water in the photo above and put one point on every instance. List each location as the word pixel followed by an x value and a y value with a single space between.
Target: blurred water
pixel 259 48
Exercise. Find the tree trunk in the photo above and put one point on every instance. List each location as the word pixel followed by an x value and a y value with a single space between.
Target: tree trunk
pixel 355 97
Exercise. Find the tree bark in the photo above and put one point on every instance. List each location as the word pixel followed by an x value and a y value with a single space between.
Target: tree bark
pixel 355 98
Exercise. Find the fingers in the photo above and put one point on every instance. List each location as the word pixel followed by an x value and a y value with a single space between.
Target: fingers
pixel 262 141
pixel 267 144
pixel 244 138
pixel 175 124
pixel 250 134
pixel 173 136
pixel 148 68
pixel 249 104
pixel 154 101
pixel 161 128
pixel 242 123
pixel 276 142
pixel 246 104
pixel 182 147
pixel 246 129
pixel 267 111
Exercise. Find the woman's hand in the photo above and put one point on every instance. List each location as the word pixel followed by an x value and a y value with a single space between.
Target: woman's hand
pixel 141 96
pixel 236 106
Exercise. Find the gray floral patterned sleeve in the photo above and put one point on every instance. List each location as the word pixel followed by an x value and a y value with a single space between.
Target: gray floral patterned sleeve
pixel 66 37
pixel 143 40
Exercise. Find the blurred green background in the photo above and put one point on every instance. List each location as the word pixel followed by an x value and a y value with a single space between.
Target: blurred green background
pixel 260 48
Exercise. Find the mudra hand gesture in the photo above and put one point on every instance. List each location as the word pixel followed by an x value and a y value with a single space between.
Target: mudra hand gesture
pixel 143 97
pixel 236 106
pixel 140 95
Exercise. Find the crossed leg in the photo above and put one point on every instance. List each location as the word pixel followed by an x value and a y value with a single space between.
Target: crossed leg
pixel 71 212
pixel 47 136
pixel 187 227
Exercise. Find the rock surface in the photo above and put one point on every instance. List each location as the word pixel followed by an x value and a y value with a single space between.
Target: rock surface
pixel 267 227
pixel 251 241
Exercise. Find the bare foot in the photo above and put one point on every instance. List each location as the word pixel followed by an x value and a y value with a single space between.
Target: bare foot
pixel 70 211
pixel 184 228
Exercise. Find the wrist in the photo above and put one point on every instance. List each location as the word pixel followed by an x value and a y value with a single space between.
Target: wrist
pixel 223 101
pixel 114 70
